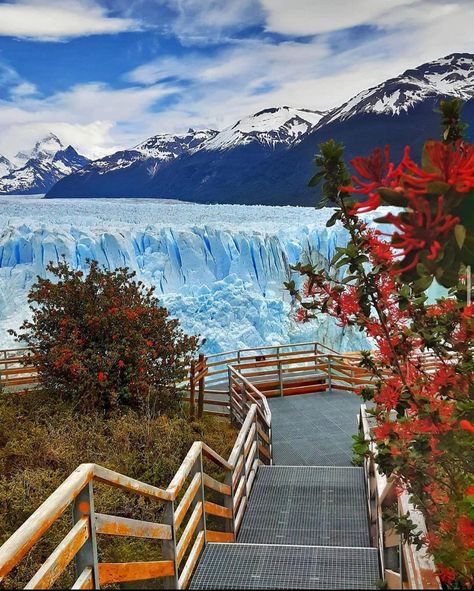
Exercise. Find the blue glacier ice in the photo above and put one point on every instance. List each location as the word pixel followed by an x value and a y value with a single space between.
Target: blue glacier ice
pixel 219 269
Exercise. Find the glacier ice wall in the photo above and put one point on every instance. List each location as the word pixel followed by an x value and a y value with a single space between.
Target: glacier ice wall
pixel 219 269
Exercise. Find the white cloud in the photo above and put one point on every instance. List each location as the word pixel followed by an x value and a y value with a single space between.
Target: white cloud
pixel 23 89
pixel 53 20
pixel 93 118
pixel 311 17
pixel 200 22
pixel 204 89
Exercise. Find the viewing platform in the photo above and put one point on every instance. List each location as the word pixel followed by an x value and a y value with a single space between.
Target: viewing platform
pixel 290 512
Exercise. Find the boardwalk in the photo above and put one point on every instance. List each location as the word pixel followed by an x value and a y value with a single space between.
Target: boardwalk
pixel 306 525
pixel 314 429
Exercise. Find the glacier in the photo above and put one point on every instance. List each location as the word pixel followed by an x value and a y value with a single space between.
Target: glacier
pixel 218 268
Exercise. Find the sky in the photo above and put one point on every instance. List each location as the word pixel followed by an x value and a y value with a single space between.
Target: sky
pixel 106 74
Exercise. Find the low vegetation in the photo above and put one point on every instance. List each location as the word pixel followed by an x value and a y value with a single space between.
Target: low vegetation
pixel 42 443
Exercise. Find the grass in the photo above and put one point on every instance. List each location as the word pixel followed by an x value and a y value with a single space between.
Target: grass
pixel 43 441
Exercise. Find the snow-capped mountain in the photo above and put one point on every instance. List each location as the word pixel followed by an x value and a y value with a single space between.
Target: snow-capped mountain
pixel 156 149
pixel 281 126
pixel 267 158
pixel 6 165
pixel 39 169
pixel 450 76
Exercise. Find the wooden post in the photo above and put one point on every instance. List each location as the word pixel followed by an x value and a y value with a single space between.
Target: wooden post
pixel 244 397
pixel 231 410
pixel 229 503
pixel 87 555
pixel 192 391
pixel 257 452
pixel 329 373
pixel 168 547
pixel 201 384
pixel 280 378
pixel 200 496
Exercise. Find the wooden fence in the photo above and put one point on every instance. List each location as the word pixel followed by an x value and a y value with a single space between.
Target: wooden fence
pixel 184 530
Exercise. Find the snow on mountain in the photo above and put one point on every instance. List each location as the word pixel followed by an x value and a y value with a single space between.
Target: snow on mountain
pixel 158 148
pixel 219 269
pixel 5 165
pixel 39 169
pixel 450 76
pixel 270 127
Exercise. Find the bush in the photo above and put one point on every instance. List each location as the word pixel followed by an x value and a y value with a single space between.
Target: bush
pixel 103 341
pixel 42 443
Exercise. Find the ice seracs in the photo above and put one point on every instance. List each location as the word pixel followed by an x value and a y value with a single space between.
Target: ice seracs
pixel 220 269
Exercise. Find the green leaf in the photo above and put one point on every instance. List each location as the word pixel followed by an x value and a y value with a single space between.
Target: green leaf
pixel 316 179
pixel 438 188
pixel 423 283
pixel 333 219
pixel 391 197
pixel 460 234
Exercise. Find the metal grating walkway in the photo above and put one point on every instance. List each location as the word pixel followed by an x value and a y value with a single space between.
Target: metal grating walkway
pixel 306 524
pixel 319 506
pixel 314 429
pixel 249 566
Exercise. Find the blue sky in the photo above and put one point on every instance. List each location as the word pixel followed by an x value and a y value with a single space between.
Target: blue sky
pixel 105 74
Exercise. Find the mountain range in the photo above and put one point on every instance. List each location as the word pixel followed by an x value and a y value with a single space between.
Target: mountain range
pixel 267 157
pixel 37 170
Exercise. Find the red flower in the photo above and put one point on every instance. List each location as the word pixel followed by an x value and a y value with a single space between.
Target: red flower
pixel 446 574
pixel 101 376
pixel 373 202
pixel 376 170
pixel 121 363
pixel 466 425
pixel 381 432
pixel 149 343
pixel 302 315
pixel 420 230
pixel 465 531
pixel 470 491
pixel 450 163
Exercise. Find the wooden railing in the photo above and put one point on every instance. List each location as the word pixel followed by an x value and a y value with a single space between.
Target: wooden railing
pixel 207 388
pixel 16 371
pixel 184 530
pixel 403 566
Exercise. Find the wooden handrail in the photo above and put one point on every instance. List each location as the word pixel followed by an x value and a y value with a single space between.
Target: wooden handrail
pixel 80 542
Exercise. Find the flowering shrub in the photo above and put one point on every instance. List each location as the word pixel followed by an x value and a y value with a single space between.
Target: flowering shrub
pixel 102 339
pixel 424 414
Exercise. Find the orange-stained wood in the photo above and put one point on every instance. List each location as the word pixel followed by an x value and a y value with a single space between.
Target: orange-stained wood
pixel 61 556
pixel 188 533
pixel 220 537
pixel 217 510
pixel 187 499
pixel 191 561
pixel 213 484
pixel 15 548
pixel 121 526
pixel 121 572
pixel 85 580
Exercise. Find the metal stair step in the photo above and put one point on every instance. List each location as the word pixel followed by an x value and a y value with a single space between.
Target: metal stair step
pixel 303 505
pixel 259 566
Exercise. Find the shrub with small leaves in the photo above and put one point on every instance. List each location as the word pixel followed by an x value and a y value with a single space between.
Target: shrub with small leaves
pixel 102 340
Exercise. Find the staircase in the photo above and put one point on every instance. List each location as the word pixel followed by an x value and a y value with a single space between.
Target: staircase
pixel 305 527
